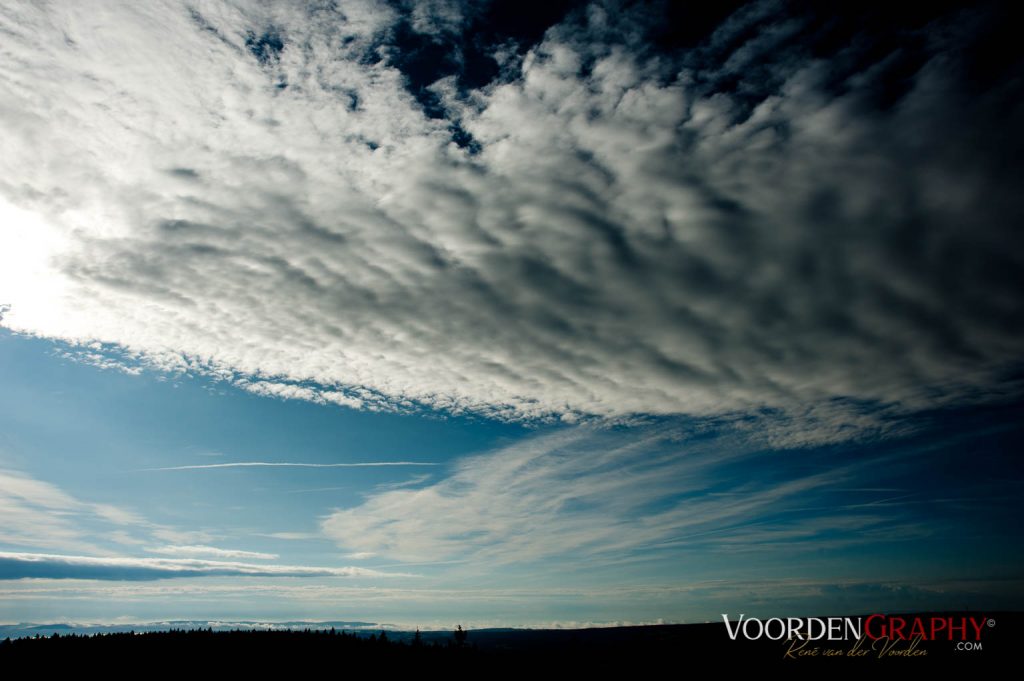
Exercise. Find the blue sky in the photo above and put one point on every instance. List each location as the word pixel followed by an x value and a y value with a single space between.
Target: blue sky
pixel 437 312
pixel 668 519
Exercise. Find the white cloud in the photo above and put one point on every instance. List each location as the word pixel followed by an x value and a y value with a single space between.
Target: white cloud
pixel 286 464
pixel 117 515
pixel 630 240
pixel 39 514
pixel 212 551
pixel 603 497
pixel 361 555
pixel 289 391
pixel 15 565
pixel 292 536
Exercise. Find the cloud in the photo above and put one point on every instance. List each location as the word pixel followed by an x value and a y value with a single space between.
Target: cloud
pixel 284 464
pixel 293 392
pixel 211 551
pixel 606 228
pixel 45 566
pixel 361 555
pixel 117 515
pixel 40 514
pixel 179 536
pixel 292 536
pixel 589 495
pixel 696 600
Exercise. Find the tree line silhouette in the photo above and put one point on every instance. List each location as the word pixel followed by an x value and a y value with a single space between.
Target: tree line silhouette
pixel 245 646
pixel 653 648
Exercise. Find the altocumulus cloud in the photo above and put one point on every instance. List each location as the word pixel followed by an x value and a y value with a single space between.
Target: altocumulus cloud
pixel 779 214
pixel 47 566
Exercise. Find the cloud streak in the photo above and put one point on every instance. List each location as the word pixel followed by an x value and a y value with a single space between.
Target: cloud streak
pixel 48 566
pixel 212 551
pixel 285 464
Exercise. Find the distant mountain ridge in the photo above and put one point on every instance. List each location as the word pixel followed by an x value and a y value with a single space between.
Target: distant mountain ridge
pixel 24 629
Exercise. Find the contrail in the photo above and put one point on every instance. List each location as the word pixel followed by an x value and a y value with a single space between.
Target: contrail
pixel 253 464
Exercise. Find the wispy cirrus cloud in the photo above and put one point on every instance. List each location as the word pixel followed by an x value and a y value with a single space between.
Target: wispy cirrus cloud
pixel 37 565
pixel 39 514
pixel 635 494
pixel 269 195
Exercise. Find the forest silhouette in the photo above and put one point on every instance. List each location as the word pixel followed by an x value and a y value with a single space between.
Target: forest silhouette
pixel 639 647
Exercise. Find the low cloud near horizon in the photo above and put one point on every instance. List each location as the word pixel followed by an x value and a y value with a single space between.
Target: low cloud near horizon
pixel 15 565
pixel 603 228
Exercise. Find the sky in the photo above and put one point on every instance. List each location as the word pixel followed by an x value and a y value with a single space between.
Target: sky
pixel 508 314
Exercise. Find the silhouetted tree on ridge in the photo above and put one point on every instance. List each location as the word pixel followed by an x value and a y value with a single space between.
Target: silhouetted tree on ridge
pixel 460 636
